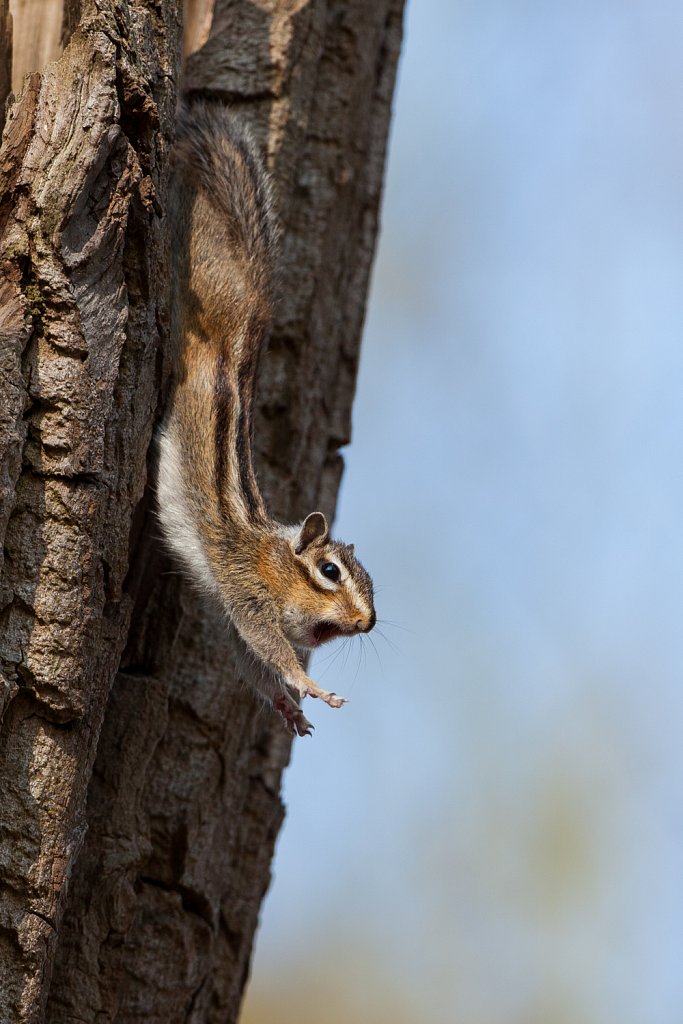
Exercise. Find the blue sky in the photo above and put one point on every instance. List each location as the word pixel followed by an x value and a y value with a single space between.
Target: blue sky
pixel 491 831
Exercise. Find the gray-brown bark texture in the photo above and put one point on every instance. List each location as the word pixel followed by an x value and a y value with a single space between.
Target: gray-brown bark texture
pixel 139 777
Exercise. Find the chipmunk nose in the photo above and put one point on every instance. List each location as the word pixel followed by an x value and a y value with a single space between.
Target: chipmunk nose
pixel 365 625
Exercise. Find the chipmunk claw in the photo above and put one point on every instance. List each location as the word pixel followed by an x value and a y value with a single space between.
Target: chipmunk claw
pixel 295 720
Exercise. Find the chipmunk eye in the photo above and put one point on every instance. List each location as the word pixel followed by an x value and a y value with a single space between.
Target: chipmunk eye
pixel 330 570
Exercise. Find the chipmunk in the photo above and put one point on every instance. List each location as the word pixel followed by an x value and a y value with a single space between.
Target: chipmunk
pixel 283 587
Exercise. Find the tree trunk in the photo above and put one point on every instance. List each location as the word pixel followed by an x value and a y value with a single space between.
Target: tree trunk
pixel 139 775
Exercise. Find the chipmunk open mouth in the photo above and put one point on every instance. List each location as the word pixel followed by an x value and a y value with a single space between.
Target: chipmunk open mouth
pixel 324 631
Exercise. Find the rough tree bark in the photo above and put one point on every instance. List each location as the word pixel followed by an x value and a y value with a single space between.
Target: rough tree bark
pixel 139 777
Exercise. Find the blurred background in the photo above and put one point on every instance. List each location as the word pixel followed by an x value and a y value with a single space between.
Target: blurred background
pixel 491 831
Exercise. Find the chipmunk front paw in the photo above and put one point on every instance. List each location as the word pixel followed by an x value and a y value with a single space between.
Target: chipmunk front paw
pixel 305 687
pixel 332 699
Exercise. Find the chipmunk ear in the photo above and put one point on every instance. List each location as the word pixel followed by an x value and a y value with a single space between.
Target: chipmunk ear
pixel 314 527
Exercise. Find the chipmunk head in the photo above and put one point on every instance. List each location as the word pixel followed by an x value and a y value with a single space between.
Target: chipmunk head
pixel 332 595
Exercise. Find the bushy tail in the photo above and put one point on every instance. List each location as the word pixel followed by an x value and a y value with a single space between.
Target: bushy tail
pixel 219 156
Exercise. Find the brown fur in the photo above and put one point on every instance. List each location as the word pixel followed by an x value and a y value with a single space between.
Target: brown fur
pixel 267 577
